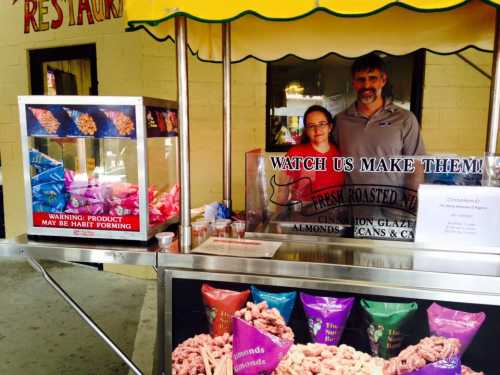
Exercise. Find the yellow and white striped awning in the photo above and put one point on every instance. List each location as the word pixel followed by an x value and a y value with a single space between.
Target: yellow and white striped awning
pixel 271 29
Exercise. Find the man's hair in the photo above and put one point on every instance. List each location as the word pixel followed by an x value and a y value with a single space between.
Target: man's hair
pixel 368 63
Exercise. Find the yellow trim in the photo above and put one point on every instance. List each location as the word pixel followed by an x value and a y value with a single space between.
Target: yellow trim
pixel 140 11
pixel 396 31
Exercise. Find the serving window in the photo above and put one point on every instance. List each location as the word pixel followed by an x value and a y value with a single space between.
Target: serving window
pixel 294 84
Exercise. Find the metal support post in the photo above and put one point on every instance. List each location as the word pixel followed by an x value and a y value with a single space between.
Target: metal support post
pixel 226 67
pixel 182 98
pixel 494 113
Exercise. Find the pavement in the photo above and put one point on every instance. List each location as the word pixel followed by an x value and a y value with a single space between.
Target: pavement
pixel 40 334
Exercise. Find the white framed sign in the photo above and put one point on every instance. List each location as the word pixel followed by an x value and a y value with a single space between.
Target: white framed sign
pixel 457 216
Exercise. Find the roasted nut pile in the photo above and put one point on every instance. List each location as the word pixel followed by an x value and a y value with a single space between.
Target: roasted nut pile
pixel 46 119
pixel 266 319
pixel 122 122
pixel 428 350
pixel 204 355
pixel 328 360
pixel 86 124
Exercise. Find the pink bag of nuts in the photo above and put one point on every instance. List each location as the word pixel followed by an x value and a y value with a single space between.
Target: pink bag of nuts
pixel 256 351
pixel 457 324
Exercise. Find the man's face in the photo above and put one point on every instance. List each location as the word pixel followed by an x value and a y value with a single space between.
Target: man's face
pixel 368 85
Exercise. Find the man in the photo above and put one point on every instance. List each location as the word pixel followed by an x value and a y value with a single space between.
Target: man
pixel 373 126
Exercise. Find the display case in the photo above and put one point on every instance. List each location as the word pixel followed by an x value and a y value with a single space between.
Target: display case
pixel 369 271
pixel 99 167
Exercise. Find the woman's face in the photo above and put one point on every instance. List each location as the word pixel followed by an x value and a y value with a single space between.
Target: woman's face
pixel 317 128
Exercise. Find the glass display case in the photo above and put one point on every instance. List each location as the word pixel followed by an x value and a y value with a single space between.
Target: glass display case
pixel 99 167
pixel 312 194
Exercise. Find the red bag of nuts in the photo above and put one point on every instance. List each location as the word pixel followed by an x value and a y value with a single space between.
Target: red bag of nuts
pixel 220 305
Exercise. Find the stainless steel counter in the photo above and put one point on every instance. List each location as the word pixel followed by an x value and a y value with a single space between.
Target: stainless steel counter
pixel 360 266
pixel 363 267
pixel 91 252
pixel 7 249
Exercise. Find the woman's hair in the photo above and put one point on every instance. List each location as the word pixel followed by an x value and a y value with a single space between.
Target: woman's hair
pixel 316 108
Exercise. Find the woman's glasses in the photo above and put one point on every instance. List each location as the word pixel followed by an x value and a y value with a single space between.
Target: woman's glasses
pixel 320 125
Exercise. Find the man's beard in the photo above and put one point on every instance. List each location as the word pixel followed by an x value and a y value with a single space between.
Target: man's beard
pixel 367 99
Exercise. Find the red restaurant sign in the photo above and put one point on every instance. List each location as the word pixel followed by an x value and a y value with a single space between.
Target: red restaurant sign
pixel 42 15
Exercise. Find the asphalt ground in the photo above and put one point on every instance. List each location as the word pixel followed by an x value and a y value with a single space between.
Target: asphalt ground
pixel 41 334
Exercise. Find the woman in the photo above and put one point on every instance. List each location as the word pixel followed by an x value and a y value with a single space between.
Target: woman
pixel 302 185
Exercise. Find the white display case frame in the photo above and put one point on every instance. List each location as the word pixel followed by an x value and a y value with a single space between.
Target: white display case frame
pixel 140 104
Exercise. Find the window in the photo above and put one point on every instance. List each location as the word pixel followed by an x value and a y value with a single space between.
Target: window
pixel 64 71
pixel 294 84
pixel 68 70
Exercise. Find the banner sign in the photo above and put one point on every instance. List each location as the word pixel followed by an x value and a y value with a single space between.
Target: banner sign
pixel 97 121
pixel 161 122
pixel 315 195
pixel 430 164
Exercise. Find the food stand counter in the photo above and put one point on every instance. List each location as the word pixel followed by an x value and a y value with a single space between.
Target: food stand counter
pixel 382 270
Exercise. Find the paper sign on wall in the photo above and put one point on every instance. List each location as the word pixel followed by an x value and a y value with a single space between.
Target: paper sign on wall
pixel 458 215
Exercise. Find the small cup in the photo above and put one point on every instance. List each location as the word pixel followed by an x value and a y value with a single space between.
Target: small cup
pixel 199 233
pixel 165 239
pixel 228 225
pixel 221 229
pixel 210 226
pixel 238 229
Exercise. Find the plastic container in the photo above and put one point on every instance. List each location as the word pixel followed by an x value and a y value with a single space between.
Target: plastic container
pixel 165 239
pixel 238 229
pixel 199 232
pixel 222 228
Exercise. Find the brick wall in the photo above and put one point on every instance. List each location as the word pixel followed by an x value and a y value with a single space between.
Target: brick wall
pixel 205 115
pixel 456 101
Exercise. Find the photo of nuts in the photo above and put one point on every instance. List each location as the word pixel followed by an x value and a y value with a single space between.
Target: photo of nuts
pixel 123 123
pixel 83 121
pixel 46 119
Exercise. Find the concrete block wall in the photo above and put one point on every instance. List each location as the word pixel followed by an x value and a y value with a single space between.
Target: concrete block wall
pixel 205 115
pixel 456 101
